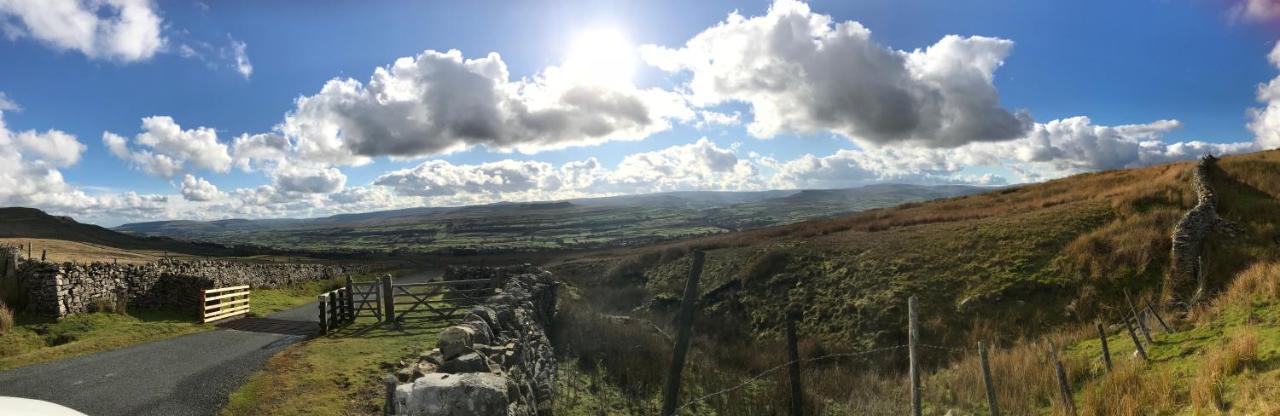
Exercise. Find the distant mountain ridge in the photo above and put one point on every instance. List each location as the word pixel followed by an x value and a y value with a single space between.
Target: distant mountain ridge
pixel 531 226
pixel 20 222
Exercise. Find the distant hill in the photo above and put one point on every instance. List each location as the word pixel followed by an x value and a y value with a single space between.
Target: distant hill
pixel 18 222
pixel 533 226
pixel 1013 263
pixel 1020 268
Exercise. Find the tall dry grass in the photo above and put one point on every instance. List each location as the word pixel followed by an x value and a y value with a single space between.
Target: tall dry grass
pixel 1128 391
pixel 1239 352
pixel 1260 281
pixel 1024 375
pixel 6 318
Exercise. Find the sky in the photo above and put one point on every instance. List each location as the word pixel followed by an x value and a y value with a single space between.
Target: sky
pixel 116 111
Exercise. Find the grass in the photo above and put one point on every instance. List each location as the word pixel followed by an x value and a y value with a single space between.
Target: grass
pixel 6 318
pixel 32 340
pixel 269 301
pixel 337 374
pixel 532 227
pixel 1018 268
pixel 59 251
pixel 1225 360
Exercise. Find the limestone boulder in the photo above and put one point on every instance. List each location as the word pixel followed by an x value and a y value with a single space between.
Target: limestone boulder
pixel 455 340
pixel 439 394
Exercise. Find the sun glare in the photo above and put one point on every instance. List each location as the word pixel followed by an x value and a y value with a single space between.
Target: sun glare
pixel 602 56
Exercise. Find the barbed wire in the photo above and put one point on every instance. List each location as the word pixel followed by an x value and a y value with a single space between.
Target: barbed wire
pixel 939 347
pixel 784 365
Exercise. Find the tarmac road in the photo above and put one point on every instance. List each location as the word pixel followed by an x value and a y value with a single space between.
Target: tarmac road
pixel 187 375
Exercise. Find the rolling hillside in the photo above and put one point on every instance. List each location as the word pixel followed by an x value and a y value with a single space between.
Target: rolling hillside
pixel 527 227
pixel 1002 266
pixel 29 223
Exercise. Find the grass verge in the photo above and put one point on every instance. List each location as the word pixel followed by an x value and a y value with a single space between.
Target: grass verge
pixel 336 374
pixel 34 340
pixel 269 301
pixel 37 340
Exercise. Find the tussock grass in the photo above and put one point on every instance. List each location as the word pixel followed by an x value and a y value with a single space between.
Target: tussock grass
pixel 1129 391
pixel 1220 363
pixel 6 318
pixel 1020 268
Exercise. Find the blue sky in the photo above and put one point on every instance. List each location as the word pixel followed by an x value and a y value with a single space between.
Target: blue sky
pixel 1180 74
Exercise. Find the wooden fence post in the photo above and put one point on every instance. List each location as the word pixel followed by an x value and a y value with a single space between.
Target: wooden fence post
pixel 324 316
pixel 1142 325
pixel 389 383
pixel 688 307
pixel 388 300
pixel 334 310
pixel 1136 342
pixel 913 335
pixel 1106 352
pixel 1159 319
pixel 1067 400
pixel 43 252
pixel 986 379
pixel 793 367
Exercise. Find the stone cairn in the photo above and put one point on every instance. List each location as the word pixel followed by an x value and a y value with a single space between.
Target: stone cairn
pixel 498 361
pixel 1191 231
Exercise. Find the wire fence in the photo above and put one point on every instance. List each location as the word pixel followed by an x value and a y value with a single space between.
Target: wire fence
pixel 779 367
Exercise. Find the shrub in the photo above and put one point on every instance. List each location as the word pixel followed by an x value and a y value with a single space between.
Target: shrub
pixel 6 318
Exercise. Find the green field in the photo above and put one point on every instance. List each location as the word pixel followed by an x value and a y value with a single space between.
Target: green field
pixel 533 227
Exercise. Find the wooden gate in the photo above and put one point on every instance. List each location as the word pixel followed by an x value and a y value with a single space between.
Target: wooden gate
pixel 366 298
pixel 439 300
pixel 222 303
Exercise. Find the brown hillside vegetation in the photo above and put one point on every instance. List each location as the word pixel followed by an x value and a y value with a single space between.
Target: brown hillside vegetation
pixel 59 251
pixel 31 223
pixel 1000 266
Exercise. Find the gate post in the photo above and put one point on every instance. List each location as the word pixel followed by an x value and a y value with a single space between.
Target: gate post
pixel 351 301
pixel 388 300
pixel 324 317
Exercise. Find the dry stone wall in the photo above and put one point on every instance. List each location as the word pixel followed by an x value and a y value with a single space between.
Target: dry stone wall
pixel 498 361
pixel 1189 234
pixel 68 288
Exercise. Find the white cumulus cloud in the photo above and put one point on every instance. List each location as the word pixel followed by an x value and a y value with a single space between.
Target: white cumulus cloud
pixel 120 30
pixel 165 149
pixel 438 102
pixel 1265 122
pixel 199 189
pixel 800 72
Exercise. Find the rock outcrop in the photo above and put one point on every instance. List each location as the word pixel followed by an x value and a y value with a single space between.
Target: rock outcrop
pixel 1189 235
pixel 497 361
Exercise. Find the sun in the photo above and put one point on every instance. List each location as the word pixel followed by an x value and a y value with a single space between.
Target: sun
pixel 602 56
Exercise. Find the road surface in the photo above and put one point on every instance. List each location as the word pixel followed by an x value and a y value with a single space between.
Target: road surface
pixel 187 375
